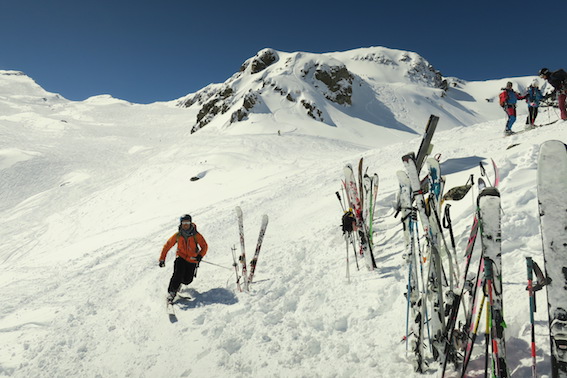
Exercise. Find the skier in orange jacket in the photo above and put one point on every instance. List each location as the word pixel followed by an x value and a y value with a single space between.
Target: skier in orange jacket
pixel 191 248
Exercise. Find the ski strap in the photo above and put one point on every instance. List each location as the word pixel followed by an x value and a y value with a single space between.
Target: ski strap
pixel 541 279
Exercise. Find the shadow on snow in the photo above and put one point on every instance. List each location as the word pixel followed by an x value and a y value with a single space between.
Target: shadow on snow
pixel 460 164
pixel 213 296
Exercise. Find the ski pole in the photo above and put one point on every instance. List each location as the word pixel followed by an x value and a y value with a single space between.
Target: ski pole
pixel 353 242
pixel 340 200
pixel 347 260
pixel 210 263
pixel 483 172
pixel 235 265
pixel 529 264
pixel 487 336
pixel 496 363
pixel 470 344
pixel 408 306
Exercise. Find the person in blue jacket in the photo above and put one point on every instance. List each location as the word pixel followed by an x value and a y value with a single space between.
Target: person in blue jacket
pixel 508 100
pixel 533 98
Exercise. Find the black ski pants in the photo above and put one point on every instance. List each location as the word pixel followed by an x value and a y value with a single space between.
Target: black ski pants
pixel 183 273
pixel 532 116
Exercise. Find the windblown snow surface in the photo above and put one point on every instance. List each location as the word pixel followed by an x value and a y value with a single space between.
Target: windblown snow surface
pixel 91 191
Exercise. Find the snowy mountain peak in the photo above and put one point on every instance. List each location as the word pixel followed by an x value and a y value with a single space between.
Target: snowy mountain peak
pixel 319 87
pixel 390 65
pixel 17 85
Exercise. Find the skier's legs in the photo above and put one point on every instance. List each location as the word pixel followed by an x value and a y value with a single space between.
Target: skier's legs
pixel 189 273
pixel 181 269
pixel 511 120
pixel 511 111
pixel 532 115
pixel 561 101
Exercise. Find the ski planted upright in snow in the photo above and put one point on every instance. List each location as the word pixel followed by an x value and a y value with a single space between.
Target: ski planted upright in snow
pixel 415 301
pixel 434 267
pixel 370 186
pixel 552 199
pixel 254 260
pixel 426 146
pixel 242 246
pixel 354 203
pixel 489 218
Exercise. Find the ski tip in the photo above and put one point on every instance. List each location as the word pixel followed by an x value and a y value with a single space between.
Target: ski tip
pixel 489 191
pixel 407 157
pixel 553 144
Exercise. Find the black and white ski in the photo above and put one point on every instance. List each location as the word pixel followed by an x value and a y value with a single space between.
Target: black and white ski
pixel 552 199
pixel 491 238
pixel 415 301
pixel 235 265
pixel 425 147
pixel 433 267
pixel 171 310
pixel 242 247
pixel 254 260
pixel 354 203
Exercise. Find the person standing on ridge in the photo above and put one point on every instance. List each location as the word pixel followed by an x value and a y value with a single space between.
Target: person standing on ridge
pixel 508 100
pixel 558 79
pixel 533 97
pixel 191 248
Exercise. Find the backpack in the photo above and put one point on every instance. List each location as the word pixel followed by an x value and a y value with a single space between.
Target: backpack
pixel 503 98
pixel 348 221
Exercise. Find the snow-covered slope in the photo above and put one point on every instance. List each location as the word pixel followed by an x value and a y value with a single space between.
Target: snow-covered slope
pixel 91 190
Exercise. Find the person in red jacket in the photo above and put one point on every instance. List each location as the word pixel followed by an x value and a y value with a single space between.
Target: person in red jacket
pixel 191 248
pixel 508 100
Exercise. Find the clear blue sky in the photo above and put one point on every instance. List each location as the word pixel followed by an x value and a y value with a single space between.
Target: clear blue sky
pixel 157 50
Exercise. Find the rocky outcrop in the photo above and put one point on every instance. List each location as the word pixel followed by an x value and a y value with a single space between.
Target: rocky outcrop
pixel 250 99
pixel 261 61
pixel 218 103
pixel 312 110
pixel 420 71
pixel 338 81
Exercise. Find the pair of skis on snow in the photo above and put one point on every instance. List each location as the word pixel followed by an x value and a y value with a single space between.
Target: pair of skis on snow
pixel 361 204
pixel 246 277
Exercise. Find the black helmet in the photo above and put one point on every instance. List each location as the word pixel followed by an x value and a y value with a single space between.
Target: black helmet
pixel 185 217
pixel 544 72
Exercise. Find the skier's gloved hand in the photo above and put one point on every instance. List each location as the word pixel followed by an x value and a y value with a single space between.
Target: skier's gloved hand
pixel 198 258
pixel 161 263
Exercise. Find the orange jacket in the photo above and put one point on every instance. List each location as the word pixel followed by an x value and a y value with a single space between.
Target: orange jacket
pixel 186 248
